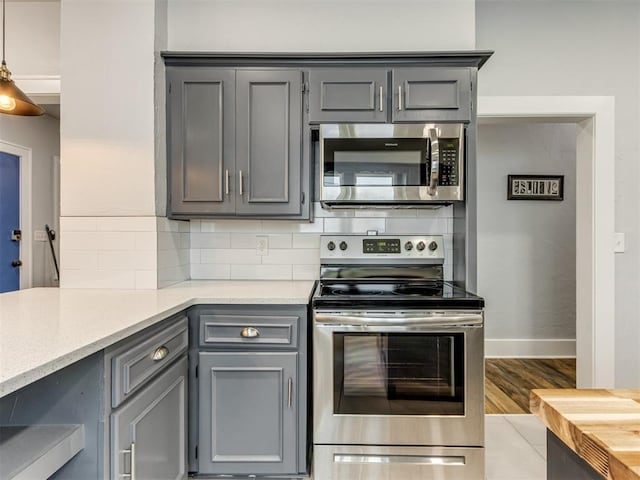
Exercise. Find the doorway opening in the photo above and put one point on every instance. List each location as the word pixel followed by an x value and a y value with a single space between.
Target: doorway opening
pixel 593 118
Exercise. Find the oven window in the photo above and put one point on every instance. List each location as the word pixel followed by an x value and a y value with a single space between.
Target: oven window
pixel 398 374
pixel 375 162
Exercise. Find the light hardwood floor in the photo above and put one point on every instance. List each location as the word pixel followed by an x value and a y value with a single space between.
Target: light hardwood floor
pixel 509 380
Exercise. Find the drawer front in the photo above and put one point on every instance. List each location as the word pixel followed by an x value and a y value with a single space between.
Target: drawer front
pixel 249 330
pixel 137 365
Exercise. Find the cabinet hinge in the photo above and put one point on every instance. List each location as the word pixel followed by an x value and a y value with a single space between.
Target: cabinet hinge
pixel 169 87
pixel 196 374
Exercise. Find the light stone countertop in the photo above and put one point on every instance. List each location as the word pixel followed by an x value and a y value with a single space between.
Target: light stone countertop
pixel 43 330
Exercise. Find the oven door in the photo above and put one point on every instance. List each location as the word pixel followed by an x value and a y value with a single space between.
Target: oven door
pixel 389 378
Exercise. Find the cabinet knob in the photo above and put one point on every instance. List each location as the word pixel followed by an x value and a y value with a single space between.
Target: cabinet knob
pixel 249 332
pixel 160 353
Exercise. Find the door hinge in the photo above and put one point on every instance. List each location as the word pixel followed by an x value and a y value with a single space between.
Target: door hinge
pixel 302 198
pixel 304 87
pixel 169 87
pixel 196 371
pixel 196 451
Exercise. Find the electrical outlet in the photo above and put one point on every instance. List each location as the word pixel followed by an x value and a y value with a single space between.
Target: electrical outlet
pixel 40 236
pixel 262 247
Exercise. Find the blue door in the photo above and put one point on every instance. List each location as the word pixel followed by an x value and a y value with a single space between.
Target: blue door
pixel 9 221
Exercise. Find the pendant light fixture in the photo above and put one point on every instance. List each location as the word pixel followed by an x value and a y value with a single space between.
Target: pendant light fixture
pixel 12 100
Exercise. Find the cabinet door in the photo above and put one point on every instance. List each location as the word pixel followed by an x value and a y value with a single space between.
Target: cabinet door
pixel 248 413
pixel 269 142
pixel 148 433
pixel 431 94
pixel 201 144
pixel 348 95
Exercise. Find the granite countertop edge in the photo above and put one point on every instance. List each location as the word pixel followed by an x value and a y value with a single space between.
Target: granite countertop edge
pixel 43 330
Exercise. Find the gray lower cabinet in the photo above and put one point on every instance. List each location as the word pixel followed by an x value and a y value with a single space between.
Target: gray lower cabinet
pixel 248 390
pixel 235 143
pixel 365 95
pixel 146 403
pixel 148 433
pixel 248 415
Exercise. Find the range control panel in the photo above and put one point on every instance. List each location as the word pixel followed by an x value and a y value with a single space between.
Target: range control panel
pixel 345 248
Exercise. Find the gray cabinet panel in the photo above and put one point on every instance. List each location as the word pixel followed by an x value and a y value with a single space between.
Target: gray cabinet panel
pixel 248 411
pixel 431 94
pixel 144 358
pixel 249 331
pixel 268 141
pixel 202 139
pixel 348 95
pixel 154 421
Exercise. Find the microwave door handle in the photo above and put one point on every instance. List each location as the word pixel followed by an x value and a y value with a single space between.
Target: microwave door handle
pixel 435 162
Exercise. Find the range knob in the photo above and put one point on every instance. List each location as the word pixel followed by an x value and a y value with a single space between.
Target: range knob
pixel 331 246
pixel 433 246
pixel 343 246
pixel 420 246
pixel 408 246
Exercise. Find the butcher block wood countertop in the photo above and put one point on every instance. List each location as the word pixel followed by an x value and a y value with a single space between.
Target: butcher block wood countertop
pixel 600 426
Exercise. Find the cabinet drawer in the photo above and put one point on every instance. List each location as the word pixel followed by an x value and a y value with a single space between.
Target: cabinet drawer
pixel 249 330
pixel 138 364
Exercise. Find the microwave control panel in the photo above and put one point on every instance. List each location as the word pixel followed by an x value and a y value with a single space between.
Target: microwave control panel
pixel 448 174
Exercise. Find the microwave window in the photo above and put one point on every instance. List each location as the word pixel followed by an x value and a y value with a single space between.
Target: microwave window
pixel 374 164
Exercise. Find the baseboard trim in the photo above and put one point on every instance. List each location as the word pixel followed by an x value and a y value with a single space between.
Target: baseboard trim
pixel 529 348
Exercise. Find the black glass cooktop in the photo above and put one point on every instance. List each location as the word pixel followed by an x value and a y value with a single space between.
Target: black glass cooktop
pixel 420 294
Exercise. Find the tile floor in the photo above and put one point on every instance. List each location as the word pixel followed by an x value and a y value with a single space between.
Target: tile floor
pixel 515 448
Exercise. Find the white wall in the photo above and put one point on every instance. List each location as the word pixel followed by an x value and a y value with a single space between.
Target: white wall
pixel 527 249
pixel 565 47
pixel 321 25
pixel 33 38
pixel 42 136
pixel 107 117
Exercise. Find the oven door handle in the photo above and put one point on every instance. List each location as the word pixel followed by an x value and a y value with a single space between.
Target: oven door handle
pixel 372 320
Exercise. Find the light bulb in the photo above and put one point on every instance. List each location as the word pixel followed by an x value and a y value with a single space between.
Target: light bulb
pixel 7 103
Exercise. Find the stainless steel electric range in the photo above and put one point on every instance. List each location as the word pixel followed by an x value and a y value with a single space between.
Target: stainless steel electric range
pixel 398 361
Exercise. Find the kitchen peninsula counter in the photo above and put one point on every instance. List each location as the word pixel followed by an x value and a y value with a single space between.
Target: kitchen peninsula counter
pixel 43 330
pixel 602 427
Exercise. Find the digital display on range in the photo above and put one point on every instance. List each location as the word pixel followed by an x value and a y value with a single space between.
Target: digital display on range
pixel 375 245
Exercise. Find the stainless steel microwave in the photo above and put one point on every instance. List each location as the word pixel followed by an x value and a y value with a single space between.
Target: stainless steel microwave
pixel 391 164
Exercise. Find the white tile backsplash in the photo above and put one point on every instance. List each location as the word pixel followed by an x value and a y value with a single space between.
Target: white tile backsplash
pixel 228 249
pixel 261 272
pixel 123 252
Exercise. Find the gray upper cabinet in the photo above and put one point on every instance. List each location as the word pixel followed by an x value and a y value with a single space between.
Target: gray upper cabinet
pixel 431 94
pixel 200 121
pixel 148 433
pixel 348 95
pixel 268 142
pixel 248 413
pixel 235 143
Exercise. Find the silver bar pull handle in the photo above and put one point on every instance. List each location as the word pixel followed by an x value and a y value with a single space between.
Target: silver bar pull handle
pixel 132 467
pixel 240 182
pixel 435 163
pixel 399 97
pixel 381 99
pixel 400 459
pixel 226 182
pixel 290 393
